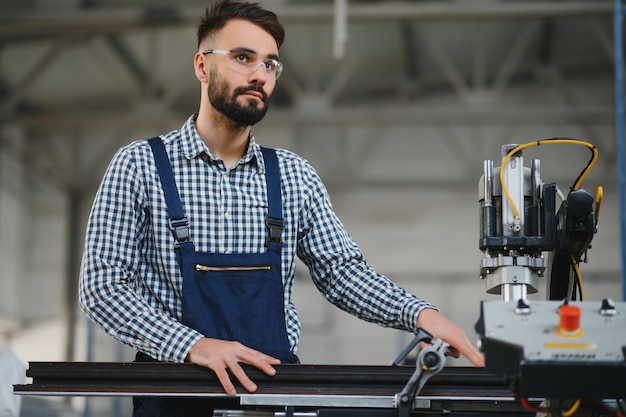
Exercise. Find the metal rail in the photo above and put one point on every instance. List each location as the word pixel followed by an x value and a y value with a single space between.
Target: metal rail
pixel 319 386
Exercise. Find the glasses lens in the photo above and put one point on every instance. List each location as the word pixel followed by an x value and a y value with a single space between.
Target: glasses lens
pixel 245 62
pixel 279 70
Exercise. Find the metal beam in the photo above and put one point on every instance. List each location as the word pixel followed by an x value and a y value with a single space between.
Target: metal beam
pixel 141 74
pixel 49 21
pixel 618 17
pixel 380 116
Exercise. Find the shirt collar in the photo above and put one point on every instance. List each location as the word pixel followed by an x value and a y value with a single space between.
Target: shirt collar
pixel 193 146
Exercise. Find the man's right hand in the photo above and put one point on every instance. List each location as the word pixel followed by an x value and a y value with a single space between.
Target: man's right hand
pixel 222 355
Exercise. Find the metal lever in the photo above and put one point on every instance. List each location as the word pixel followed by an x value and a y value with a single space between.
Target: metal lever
pixel 421 336
pixel 430 361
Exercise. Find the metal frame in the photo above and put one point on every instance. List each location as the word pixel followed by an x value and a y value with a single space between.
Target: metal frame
pixel 345 387
pixel 619 119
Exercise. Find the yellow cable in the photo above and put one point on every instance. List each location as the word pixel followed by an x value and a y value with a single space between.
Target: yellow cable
pixel 579 277
pixel 599 195
pixel 555 141
pixel 572 409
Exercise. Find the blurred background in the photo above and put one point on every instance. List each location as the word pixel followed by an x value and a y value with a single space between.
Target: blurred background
pixel 396 103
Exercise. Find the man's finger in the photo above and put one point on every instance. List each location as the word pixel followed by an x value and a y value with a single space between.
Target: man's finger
pixel 241 376
pixel 227 384
pixel 264 363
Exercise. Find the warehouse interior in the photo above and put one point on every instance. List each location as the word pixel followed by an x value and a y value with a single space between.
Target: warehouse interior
pixel 397 104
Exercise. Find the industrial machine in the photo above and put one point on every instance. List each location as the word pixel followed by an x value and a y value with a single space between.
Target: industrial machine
pixel 558 356
pixel 562 350
pixel 520 222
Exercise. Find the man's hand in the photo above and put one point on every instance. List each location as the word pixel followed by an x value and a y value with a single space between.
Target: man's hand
pixel 442 328
pixel 221 355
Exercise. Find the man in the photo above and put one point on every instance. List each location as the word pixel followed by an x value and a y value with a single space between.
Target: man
pixel 191 244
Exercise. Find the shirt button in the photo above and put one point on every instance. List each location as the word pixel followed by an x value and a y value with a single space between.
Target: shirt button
pixel 227 215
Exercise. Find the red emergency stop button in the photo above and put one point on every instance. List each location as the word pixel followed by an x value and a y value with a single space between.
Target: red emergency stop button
pixel 569 324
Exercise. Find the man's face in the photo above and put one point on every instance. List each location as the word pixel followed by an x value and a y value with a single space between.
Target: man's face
pixel 235 103
pixel 243 96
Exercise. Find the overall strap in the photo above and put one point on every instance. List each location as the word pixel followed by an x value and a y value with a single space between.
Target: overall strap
pixel 274 220
pixel 179 223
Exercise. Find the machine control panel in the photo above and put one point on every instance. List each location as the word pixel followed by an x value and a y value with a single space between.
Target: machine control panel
pixel 556 348
pixel 554 330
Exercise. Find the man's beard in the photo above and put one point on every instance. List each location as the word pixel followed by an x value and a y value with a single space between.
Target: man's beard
pixel 243 115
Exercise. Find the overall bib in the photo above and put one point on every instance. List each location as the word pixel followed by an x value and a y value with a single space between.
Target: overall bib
pixel 238 297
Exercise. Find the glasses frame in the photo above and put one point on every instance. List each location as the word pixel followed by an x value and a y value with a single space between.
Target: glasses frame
pixel 248 68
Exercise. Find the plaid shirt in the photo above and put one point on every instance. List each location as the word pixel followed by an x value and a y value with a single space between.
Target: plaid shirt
pixel 130 282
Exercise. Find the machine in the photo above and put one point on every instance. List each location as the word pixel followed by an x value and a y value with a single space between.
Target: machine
pixel 561 350
pixel 520 222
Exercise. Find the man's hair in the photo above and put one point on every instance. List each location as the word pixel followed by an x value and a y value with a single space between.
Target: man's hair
pixel 222 11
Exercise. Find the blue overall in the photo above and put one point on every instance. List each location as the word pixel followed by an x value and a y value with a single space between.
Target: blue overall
pixel 238 297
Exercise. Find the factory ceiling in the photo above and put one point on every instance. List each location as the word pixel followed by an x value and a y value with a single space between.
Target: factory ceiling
pixel 69 68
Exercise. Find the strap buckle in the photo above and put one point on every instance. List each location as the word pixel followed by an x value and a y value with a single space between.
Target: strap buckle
pixel 180 229
pixel 275 227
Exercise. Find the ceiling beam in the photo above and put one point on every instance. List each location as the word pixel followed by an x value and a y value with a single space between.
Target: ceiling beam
pixel 48 21
pixel 365 116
